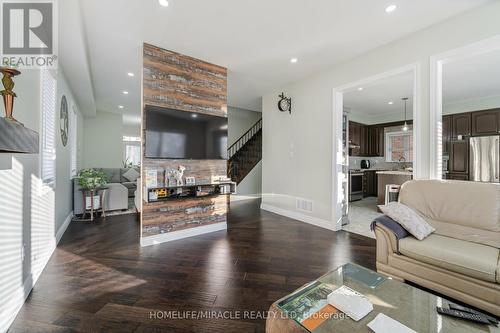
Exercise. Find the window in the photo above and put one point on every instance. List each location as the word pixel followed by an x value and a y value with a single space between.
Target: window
pixel 399 146
pixel 132 150
pixel 73 135
pixel 48 98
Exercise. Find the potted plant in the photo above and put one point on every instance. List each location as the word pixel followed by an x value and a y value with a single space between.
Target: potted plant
pixel 90 179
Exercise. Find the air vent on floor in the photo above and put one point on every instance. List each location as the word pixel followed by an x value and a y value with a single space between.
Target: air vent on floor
pixel 304 205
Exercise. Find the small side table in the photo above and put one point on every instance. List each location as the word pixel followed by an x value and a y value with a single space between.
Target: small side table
pixel 101 192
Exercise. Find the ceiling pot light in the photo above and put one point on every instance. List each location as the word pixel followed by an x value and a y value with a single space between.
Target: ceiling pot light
pixel 390 8
pixel 294 60
pixel 120 106
pixel 360 89
pixel 130 74
pixel 390 103
pixel 125 92
pixel 405 126
pixel 163 3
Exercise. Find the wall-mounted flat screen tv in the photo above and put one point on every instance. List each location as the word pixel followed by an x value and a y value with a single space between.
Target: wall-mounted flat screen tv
pixel 177 134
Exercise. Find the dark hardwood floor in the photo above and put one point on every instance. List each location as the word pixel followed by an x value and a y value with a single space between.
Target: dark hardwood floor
pixel 100 280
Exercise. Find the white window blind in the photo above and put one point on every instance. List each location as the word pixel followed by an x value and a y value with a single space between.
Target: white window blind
pixel 73 135
pixel 132 150
pixel 48 151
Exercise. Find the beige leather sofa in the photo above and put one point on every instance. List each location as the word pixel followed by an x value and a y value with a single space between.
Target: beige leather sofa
pixel 459 260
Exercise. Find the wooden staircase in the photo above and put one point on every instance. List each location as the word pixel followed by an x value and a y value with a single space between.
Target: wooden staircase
pixel 245 153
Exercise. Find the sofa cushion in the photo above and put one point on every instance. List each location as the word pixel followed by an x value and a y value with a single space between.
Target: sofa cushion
pixel 408 219
pixel 112 175
pixel 131 175
pixel 130 185
pixel 470 259
pixel 471 204
pixel 475 235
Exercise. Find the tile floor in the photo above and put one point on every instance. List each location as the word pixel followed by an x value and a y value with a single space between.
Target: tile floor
pixel 361 215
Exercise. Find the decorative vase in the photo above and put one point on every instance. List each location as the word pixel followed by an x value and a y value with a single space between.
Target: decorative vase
pixel 8 94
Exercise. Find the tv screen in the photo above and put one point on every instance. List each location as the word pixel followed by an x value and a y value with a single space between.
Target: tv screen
pixel 177 134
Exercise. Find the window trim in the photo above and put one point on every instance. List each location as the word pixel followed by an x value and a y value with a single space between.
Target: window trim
pixel 388 152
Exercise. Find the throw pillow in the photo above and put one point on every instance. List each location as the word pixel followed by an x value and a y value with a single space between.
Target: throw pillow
pixel 409 219
pixel 131 175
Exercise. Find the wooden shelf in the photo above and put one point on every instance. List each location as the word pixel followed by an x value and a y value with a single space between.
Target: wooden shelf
pixel 201 190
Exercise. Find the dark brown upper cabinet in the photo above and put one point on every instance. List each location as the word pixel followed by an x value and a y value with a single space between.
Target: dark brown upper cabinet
pixel 376 140
pixel 486 122
pixel 446 134
pixel 355 130
pixel 459 156
pixel 461 124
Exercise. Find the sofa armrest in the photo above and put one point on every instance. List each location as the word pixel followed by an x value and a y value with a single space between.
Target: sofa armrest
pixel 386 243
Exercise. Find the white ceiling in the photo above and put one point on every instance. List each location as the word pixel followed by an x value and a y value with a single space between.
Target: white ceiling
pixel 255 40
pixel 469 79
pixel 374 99
pixel 472 78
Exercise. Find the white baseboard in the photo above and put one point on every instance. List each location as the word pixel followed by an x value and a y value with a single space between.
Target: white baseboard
pixel 176 235
pixel 62 229
pixel 300 217
pixel 19 296
pixel 236 197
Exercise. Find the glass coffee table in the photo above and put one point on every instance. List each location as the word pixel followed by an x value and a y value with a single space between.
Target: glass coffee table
pixel 410 306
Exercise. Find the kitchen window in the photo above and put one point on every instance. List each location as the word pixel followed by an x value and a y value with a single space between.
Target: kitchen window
pixel 399 146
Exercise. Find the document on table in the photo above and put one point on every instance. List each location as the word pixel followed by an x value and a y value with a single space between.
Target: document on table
pixel 384 324
pixel 349 301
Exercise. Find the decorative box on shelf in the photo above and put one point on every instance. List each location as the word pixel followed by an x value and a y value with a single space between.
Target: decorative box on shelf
pixel 155 194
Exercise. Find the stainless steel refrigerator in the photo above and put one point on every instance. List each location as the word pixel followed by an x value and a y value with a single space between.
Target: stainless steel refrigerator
pixel 485 159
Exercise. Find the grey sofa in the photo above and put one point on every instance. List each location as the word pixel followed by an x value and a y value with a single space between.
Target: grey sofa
pixel 120 189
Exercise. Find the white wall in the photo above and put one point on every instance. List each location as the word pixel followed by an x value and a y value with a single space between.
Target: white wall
pixel 240 121
pixel 32 216
pixel 103 141
pixel 297 148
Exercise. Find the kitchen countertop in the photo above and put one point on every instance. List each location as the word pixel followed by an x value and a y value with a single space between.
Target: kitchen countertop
pixel 363 170
pixel 397 173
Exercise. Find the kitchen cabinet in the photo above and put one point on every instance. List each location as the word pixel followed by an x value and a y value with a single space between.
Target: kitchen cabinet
pixel 370 181
pixel 486 122
pixel 459 157
pixel 446 133
pixel 457 176
pixel 355 130
pixel 376 141
pixel 461 124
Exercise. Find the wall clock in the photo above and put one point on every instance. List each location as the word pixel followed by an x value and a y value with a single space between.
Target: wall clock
pixel 285 104
pixel 64 121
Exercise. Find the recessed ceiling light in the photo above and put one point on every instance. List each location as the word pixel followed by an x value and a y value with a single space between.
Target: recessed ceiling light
pixel 390 103
pixel 120 106
pixel 125 92
pixel 163 3
pixel 390 8
pixel 360 89
pixel 294 60
pixel 130 74
pixel 194 115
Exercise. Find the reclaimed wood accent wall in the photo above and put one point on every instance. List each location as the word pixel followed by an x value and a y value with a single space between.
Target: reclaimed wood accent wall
pixel 175 81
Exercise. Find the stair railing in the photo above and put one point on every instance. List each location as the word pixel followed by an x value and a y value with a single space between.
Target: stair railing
pixel 235 147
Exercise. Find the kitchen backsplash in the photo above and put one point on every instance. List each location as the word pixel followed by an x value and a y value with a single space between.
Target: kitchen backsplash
pixel 376 163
